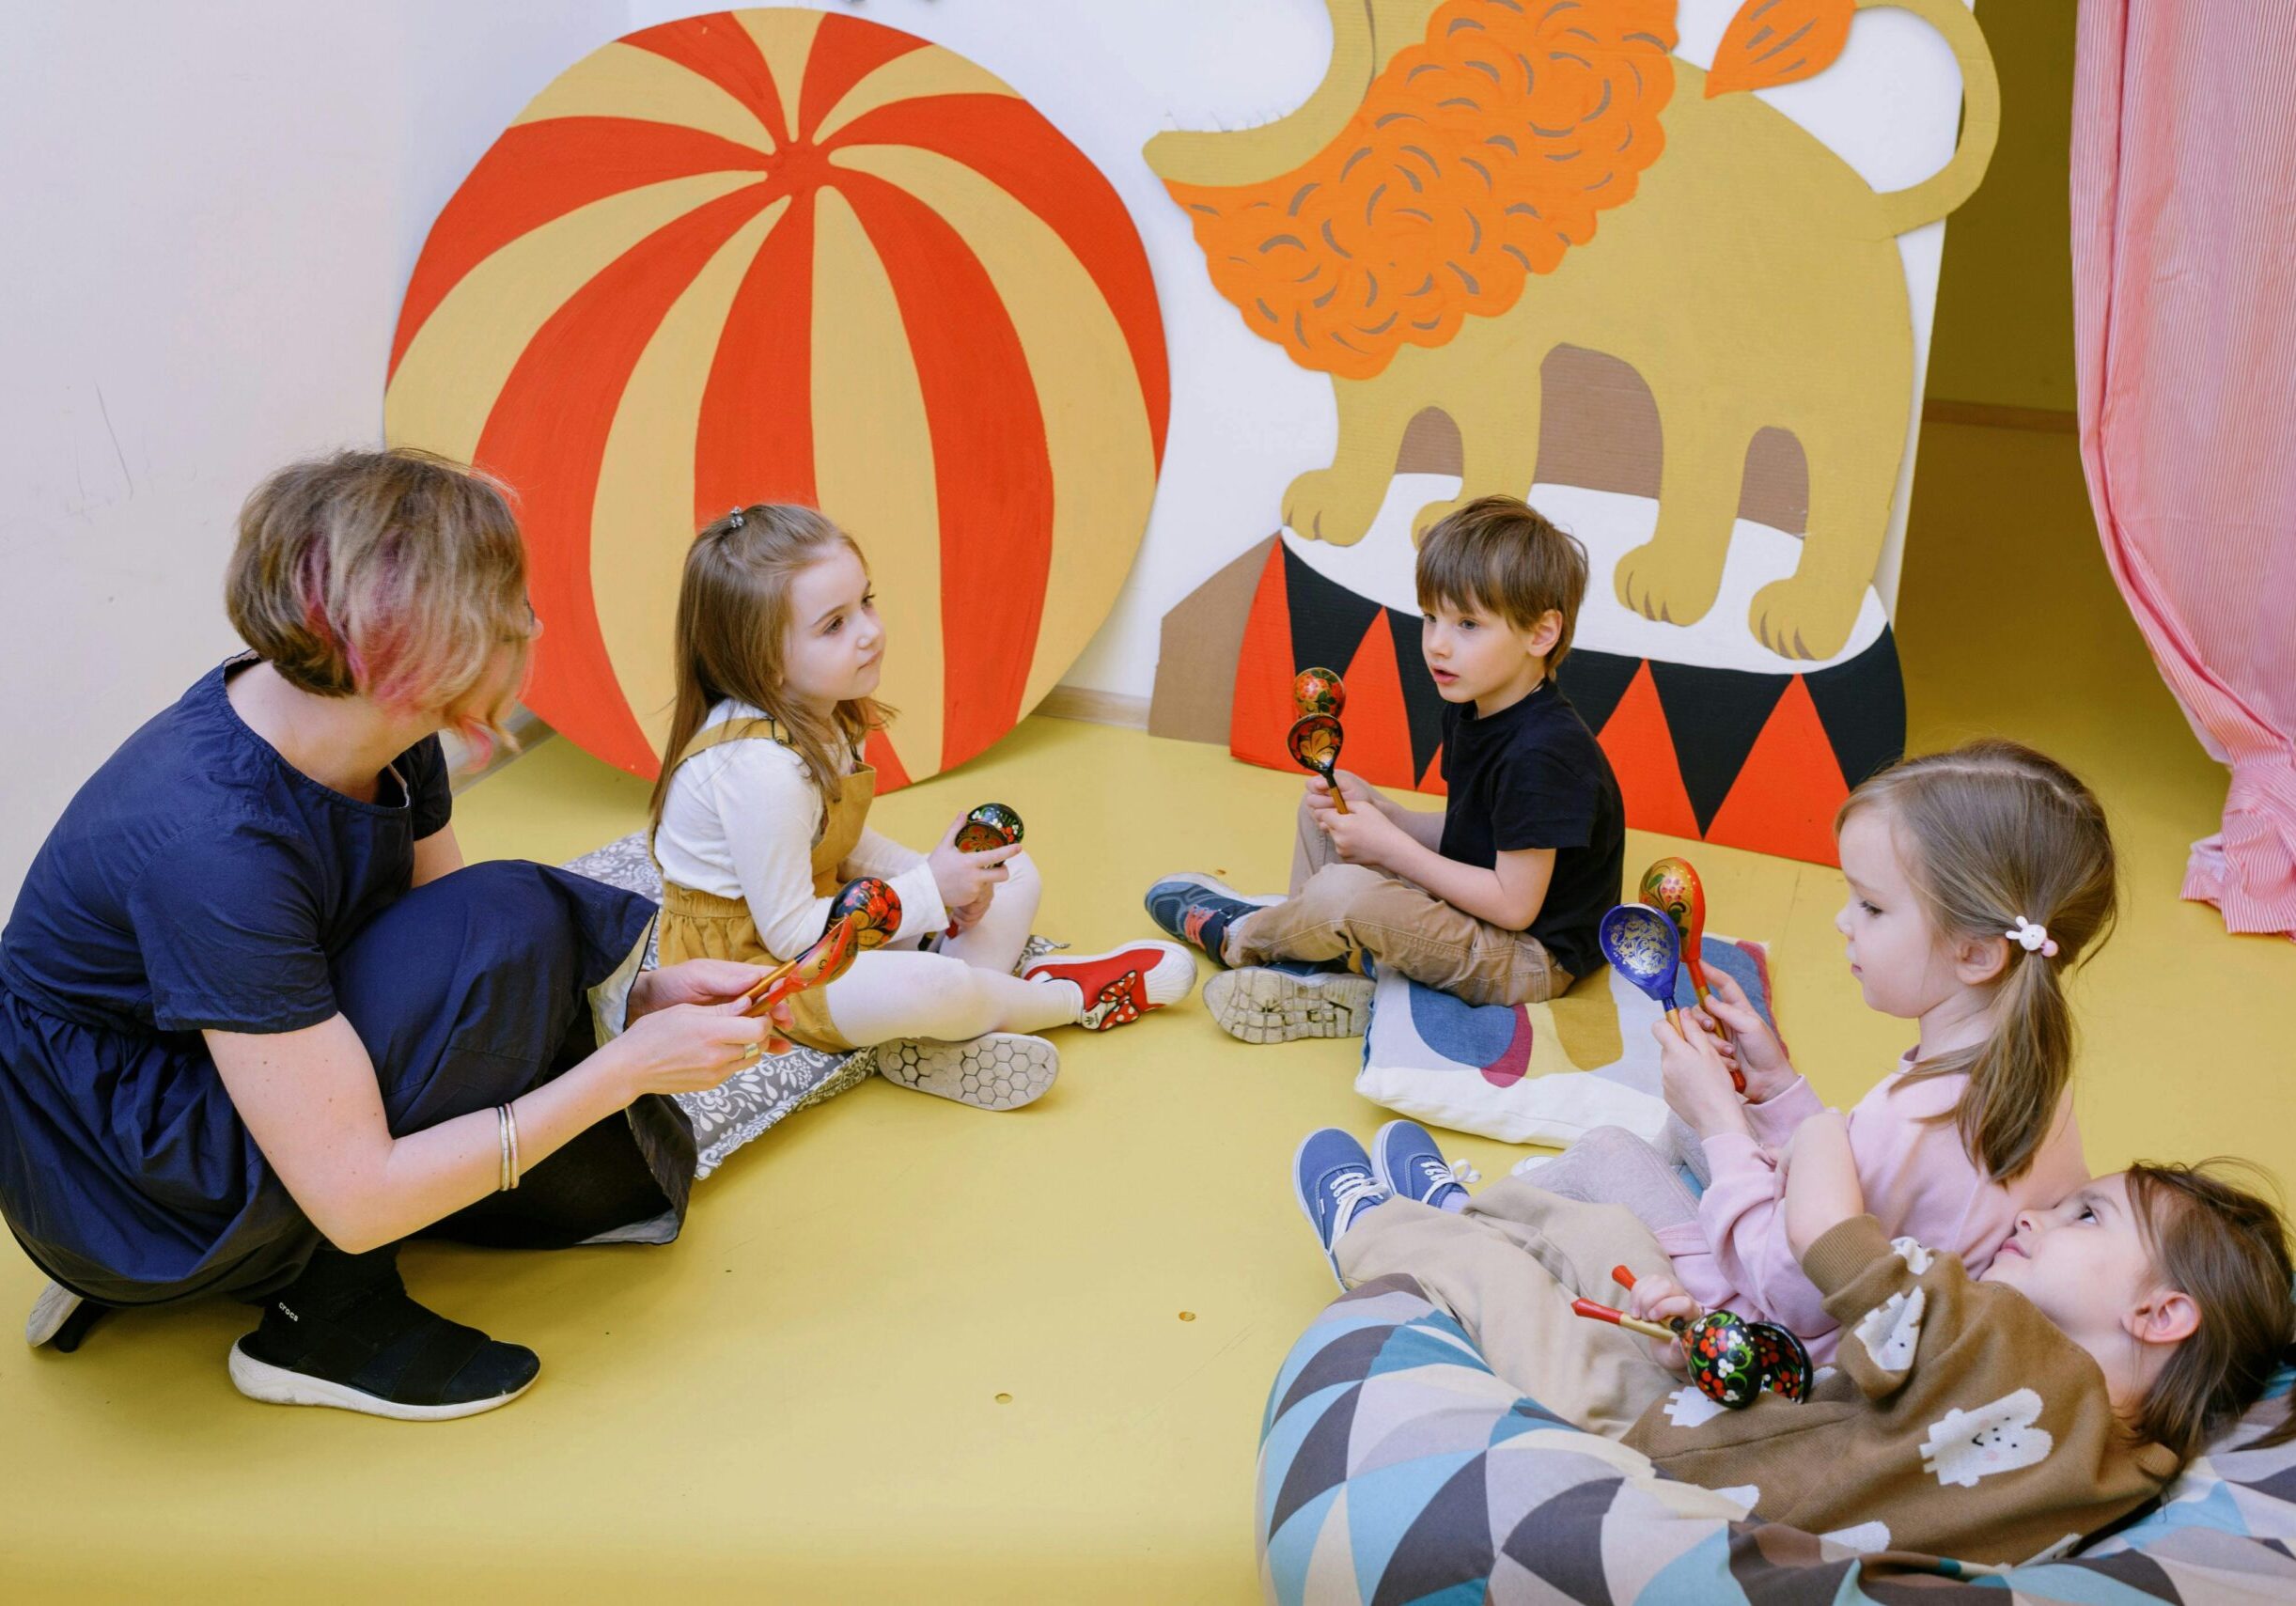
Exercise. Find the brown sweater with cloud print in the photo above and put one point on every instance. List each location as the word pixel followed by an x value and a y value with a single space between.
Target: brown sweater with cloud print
pixel 1957 1420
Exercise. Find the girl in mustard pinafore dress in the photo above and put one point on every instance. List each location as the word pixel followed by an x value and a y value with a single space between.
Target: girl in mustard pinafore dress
pixel 761 813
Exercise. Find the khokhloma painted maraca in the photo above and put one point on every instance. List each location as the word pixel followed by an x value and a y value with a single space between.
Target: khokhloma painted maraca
pixel 864 914
pixel 1672 886
pixel 1732 1360
pixel 1315 745
pixel 1317 695
pixel 990 826
pixel 1643 946
pixel 1318 691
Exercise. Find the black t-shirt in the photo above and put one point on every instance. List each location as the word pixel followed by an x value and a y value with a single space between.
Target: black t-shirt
pixel 1532 775
pixel 199 881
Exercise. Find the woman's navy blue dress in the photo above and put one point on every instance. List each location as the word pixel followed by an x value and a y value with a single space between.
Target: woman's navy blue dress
pixel 200 882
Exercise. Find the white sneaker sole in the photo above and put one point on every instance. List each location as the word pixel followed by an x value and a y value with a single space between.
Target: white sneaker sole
pixel 1276 1007
pixel 1001 1070
pixel 50 1312
pixel 276 1385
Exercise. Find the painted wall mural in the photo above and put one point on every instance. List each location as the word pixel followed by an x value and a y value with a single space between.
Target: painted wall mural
pixel 778 253
pixel 1531 245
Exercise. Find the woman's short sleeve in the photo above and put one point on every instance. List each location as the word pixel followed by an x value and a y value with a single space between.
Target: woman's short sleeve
pixel 430 789
pixel 227 920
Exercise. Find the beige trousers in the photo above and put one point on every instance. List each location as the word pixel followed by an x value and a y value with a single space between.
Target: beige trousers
pixel 1508 1267
pixel 1344 912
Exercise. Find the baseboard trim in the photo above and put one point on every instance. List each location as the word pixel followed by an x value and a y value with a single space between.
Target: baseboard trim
pixel 2049 420
pixel 1096 708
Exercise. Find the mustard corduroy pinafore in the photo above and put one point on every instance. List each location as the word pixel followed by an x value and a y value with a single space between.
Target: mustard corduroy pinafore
pixel 698 924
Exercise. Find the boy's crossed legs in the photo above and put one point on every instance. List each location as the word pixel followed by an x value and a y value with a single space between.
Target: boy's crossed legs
pixel 1299 961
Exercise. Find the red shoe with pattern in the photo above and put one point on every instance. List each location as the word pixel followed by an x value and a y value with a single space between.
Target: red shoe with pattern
pixel 1123 985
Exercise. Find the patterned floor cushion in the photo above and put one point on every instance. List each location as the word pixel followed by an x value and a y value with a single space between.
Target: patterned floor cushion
pixel 1395 1468
pixel 1544 1074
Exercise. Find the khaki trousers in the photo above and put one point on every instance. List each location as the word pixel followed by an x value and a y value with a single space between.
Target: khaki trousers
pixel 1344 912
pixel 1508 1267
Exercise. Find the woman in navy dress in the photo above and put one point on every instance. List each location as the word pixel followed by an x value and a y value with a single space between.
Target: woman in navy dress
pixel 258 1024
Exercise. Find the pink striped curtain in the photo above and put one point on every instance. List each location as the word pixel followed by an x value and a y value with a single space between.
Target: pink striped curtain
pixel 2184 306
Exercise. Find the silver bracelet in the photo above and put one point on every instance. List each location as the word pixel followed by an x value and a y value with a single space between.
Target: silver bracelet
pixel 502 1139
pixel 510 1115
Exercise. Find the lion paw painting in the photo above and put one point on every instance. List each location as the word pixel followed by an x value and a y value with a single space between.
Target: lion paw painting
pixel 1530 243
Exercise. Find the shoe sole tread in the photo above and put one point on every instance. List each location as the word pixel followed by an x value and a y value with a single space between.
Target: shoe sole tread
pixel 1003 1070
pixel 1274 1007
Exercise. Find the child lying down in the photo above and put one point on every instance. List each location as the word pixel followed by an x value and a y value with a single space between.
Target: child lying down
pixel 1991 1420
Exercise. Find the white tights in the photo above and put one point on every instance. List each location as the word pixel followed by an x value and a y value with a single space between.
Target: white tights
pixel 965 990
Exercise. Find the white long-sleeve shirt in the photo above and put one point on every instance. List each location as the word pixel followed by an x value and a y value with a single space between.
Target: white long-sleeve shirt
pixel 741 822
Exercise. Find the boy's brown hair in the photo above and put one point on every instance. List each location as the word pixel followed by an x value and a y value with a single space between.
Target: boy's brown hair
pixel 2226 1249
pixel 1500 556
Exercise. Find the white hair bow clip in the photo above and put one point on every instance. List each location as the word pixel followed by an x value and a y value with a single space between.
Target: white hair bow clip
pixel 2032 936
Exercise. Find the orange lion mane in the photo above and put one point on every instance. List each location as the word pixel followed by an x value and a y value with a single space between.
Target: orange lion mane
pixel 1478 156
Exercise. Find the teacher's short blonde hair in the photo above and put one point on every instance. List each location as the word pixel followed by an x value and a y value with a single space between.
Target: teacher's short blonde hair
pixel 395 575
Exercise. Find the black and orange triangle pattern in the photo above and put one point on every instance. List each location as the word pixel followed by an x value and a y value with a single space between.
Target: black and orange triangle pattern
pixel 1735 757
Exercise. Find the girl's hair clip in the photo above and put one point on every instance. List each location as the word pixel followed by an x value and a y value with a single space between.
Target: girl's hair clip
pixel 2032 936
pixel 735 520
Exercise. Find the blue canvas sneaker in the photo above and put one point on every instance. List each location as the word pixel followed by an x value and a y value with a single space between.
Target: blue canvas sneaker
pixel 1336 1184
pixel 1407 1164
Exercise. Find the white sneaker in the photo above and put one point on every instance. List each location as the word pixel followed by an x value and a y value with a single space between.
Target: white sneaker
pixel 1265 1004
pixel 1000 1070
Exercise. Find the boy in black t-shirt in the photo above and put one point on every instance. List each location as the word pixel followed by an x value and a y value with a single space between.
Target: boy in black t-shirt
pixel 1495 900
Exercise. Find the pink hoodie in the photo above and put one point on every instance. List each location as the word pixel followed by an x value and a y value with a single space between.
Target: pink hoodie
pixel 1919 1183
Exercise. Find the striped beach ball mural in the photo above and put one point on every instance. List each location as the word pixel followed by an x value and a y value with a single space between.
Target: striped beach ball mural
pixel 777 254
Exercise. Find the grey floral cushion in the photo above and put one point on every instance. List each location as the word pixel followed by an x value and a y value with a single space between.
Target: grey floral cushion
pixel 741 1108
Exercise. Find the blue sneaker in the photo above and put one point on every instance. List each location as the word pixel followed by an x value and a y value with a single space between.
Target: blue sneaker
pixel 1336 1184
pixel 1197 911
pixel 1407 1164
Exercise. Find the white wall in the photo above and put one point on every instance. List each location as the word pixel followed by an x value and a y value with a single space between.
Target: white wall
pixel 210 213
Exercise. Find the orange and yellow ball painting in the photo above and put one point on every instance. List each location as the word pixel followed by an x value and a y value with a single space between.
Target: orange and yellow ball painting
pixel 778 254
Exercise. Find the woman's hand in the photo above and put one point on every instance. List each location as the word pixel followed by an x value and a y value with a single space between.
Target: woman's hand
pixel 696 981
pixel 1661 1299
pixel 1761 1057
pixel 1695 1079
pixel 968 881
pixel 687 1048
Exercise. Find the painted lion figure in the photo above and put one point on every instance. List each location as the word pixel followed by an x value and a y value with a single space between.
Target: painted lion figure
pixel 1479 183
pixel 1479 155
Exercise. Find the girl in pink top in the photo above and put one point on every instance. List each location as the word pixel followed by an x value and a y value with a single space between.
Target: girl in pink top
pixel 1977 879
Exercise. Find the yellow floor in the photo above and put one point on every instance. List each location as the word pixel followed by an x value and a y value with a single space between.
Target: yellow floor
pixel 806 1397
